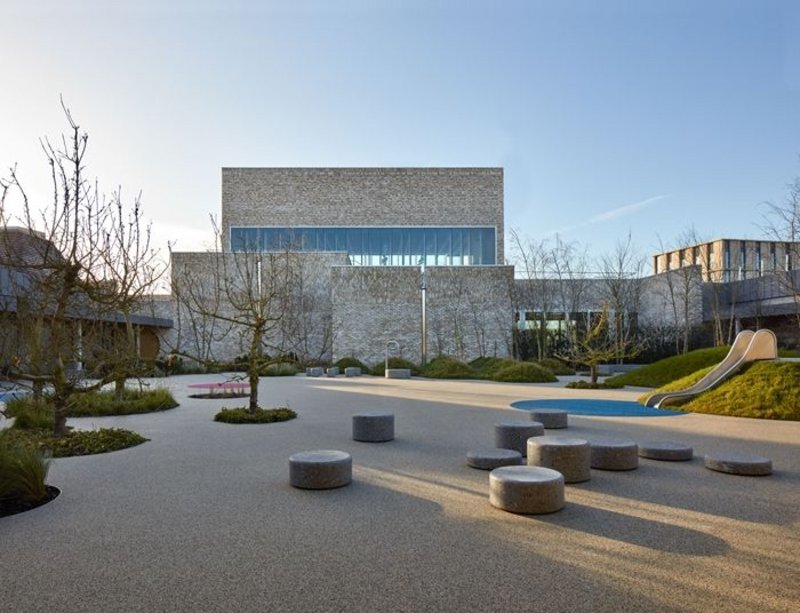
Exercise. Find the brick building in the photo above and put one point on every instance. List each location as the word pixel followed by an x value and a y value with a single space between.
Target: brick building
pixel 364 239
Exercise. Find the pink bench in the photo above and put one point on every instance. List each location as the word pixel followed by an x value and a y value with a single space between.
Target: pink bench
pixel 236 387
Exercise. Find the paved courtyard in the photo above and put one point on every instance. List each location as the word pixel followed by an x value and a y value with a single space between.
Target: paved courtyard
pixel 202 517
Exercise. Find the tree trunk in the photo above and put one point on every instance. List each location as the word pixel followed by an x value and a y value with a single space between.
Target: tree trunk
pixel 59 417
pixel 593 373
pixel 119 388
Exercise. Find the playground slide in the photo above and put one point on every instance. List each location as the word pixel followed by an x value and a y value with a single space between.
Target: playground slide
pixel 747 347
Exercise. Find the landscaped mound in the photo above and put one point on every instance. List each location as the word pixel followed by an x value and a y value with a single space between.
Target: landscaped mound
pixel 524 372
pixel 670 369
pixel 555 366
pixel 448 368
pixel 767 389
pixel 259 416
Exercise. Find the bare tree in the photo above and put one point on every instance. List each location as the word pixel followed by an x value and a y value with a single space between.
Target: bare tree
pixel 597 344
pixel 533 259
pixel 681 288
pixel 74 275
pixel 239 299
pixel 622 288
pixel 781 221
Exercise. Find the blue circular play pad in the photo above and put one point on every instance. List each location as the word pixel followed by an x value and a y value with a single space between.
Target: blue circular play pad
pixel 599 408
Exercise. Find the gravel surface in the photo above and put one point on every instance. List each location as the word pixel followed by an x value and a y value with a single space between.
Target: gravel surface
pixel 202 517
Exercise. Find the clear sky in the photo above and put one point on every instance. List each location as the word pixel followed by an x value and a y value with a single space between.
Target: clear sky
pixel 608 117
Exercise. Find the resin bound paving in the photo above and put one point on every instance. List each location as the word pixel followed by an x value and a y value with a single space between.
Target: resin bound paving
pixel 202 517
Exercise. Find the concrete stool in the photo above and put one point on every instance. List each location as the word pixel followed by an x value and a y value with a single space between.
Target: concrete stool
pixel 739 464
pixel 526 489
pixel 668 451
pixel 352 371
pixel 569 456
pixel 315 371
pixel 320 470
pixel 373 427
pixel 615 454
pixel 333 371
pixel 551 419
pixel 398 373
pixel 515 434
pixel 489 459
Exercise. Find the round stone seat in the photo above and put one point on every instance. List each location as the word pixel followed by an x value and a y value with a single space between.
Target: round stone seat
pixel 333 371
pixel 373 427
pixel 530 490
pixel 489 459
pixel 322 469
pixel 551 419
pixel 668 451
pixel 614 454
pixel 739 464
pixel 515 434
pixel 352 371
pixel 569 456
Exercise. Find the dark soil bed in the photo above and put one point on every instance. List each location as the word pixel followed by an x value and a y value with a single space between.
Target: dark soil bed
pixel 12 507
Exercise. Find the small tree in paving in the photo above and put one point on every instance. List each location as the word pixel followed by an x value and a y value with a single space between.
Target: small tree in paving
pixel 247 295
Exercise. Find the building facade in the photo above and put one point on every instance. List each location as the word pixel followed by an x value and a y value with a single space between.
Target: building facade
pixel 364 241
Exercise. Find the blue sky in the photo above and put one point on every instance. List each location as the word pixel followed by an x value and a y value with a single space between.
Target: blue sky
pixel 608 117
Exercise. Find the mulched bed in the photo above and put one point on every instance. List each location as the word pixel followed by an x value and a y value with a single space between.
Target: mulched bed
pixel 11 507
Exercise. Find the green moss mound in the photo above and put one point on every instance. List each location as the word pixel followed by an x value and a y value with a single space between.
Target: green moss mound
pixel 670 369
pixel 74 443
pixel 767 390
pixel 448 368
pixel 260 416
pixel 380 368
pixel 524 372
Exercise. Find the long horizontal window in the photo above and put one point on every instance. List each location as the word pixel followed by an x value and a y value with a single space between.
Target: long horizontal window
pixel 394 246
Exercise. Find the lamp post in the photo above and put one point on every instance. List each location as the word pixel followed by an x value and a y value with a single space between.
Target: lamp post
pixel 423 286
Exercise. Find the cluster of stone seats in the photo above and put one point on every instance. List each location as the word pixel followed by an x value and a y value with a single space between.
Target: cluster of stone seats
pixel 333 371
pixel 324 469
pixel 529 469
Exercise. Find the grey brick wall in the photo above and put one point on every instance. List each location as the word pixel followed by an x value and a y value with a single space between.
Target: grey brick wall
pixel 363 197
pixel 468 309
pixel 305 317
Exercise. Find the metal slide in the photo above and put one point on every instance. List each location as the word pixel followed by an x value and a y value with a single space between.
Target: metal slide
pixel 748 347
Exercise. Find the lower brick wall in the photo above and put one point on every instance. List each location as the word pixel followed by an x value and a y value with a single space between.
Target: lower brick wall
pixel 469 311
